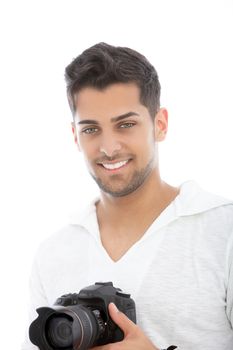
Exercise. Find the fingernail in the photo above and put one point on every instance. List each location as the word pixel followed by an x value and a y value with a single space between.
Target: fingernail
pixel 114 307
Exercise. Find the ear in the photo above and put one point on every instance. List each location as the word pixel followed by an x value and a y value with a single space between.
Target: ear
pixel 75 134
pixel 161 124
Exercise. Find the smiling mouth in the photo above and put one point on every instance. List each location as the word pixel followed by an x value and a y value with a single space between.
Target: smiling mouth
pixel 114 166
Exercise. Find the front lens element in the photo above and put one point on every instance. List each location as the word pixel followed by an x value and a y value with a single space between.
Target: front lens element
pixel 59 332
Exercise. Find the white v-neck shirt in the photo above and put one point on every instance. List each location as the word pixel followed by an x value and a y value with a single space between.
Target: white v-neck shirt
pixel 180 273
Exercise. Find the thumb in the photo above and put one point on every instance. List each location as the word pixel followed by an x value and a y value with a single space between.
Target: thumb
pixel 125 324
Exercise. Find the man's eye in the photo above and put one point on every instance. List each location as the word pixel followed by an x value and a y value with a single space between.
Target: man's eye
pixel 127 125
pixel 89 130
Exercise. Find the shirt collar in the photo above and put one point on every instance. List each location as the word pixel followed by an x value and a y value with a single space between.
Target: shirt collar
pixel 191 200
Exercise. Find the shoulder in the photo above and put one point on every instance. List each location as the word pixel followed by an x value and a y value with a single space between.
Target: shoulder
pixel 195 200
pixel 61 242
pixel 219 224
pixel 205 215
pixel 74 234
pixel 222 214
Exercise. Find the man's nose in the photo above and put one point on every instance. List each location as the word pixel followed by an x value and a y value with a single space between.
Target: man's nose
pixel 110 145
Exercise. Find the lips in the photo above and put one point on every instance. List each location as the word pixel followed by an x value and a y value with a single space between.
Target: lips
pixel 114 166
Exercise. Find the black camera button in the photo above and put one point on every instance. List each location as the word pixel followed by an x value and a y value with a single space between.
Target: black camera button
pixel 59 301
pixel 104 284
pixel 121 294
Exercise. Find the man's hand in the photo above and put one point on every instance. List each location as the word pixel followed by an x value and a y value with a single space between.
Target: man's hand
pixel 134 338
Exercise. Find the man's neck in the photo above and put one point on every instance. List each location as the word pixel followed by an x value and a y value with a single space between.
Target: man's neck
pixel 123 221
pixel 146 203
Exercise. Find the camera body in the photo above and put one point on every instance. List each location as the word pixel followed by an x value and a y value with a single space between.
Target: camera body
pixel 81 321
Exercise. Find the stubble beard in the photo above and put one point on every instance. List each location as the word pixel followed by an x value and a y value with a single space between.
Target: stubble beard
pixel 136 181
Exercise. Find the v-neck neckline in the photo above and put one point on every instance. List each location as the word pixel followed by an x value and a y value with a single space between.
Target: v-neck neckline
pixel 166 216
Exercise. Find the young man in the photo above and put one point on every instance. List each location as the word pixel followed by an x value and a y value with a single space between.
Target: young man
pixel 171 248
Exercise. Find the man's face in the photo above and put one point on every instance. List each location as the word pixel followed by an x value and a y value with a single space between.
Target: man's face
pixel 117 135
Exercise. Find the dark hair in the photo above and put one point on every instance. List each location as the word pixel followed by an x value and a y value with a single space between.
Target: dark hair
pixel 102 65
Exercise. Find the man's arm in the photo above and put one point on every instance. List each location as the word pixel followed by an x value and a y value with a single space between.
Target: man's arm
pixel 37 299
pixel 229 307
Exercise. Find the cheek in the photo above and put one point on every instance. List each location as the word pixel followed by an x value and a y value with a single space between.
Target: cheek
pixel 90 153
pixel 87 153
pixel 148 147
pixel 147 141
pixel 85 147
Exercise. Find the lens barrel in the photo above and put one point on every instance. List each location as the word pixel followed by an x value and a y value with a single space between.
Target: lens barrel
pixel 86 330
pixel 72 328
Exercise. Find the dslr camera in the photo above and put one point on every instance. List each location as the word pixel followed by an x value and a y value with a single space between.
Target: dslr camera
pixel 81 321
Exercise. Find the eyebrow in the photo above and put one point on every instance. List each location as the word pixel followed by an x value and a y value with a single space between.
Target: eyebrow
pixel 113 120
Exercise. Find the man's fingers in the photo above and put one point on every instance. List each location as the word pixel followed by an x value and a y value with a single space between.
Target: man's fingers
pixel 125 324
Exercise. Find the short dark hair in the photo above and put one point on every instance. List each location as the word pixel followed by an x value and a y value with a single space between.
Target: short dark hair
pixel 102 65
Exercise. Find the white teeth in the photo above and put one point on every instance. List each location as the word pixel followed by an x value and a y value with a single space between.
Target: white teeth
pixel 115 166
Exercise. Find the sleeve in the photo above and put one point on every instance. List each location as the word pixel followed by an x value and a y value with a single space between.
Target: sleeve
pixel 37 298
pixel 229 298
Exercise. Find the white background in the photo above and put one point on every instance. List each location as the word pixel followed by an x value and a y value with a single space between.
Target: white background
pixel 43 178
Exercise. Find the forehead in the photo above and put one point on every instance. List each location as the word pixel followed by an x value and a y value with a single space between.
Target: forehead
pixel 115 99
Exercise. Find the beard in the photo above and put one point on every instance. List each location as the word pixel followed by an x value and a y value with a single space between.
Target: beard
pixel 117 187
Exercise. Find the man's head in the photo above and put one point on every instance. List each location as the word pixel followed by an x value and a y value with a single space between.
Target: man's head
pixel 117 119
pixel 102 65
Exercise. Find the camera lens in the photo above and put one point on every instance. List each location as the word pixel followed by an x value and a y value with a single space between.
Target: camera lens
pixel 59 332
pixel 75 327
pixel 86 329
pixel 78 330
